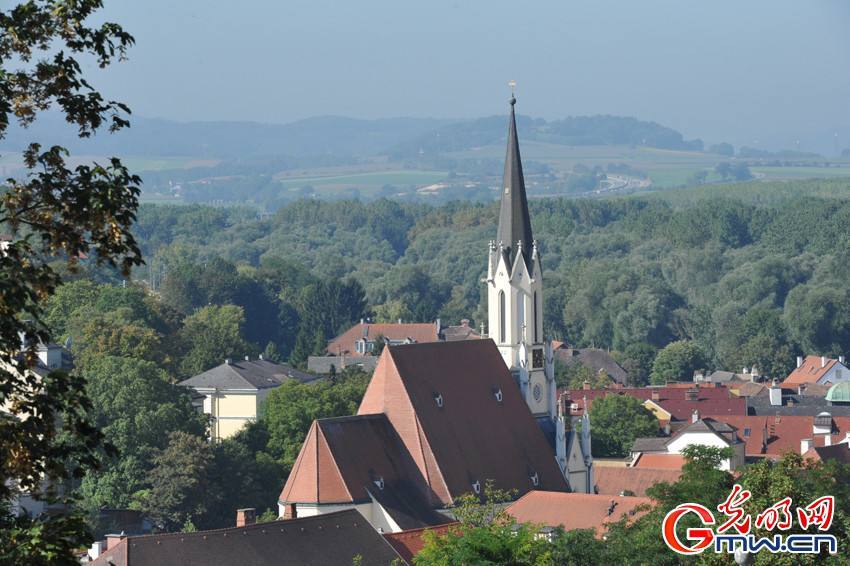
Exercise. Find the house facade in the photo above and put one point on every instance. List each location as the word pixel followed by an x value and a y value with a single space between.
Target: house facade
pixel 818 369
pixel 232 394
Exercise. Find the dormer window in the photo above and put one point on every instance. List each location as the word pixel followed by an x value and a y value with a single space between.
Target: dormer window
pixel 379 483
pixel 476 487
pixel 497 393
pixel 535 479
pixel 438 399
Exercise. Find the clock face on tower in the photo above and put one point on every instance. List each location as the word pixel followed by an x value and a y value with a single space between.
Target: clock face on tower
pixel 537 392
pixel 537 358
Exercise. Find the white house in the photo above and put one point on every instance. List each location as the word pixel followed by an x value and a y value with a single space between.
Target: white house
pixel 704 432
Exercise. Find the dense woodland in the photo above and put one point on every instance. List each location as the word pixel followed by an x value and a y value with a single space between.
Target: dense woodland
pixel 711 277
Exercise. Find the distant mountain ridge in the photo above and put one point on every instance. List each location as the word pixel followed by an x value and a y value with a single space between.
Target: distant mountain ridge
pixel 340 137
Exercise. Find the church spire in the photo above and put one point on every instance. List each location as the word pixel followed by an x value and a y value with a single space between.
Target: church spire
pixel 514 222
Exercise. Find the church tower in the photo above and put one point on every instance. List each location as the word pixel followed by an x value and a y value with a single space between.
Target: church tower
pixel 515 313
pixel 515 289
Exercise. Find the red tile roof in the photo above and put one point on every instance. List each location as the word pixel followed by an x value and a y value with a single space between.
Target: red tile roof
pixel 660 461
pixel 472 437
pixel 615 480
pixel 674 400
pixel 418 332
pixel 812 369
pixel 408 543
pixel 773 435
pixel 342 459
pixel 575 510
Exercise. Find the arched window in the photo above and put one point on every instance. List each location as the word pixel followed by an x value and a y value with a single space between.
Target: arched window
pixel 501 317
pixel 536 323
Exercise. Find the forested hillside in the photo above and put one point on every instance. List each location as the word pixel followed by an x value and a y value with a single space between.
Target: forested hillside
pixel 726 277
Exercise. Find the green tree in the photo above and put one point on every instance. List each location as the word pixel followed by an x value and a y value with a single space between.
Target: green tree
pixel 637 360
pixel 290 409
pixel 180 483
pixel 677 362
pixel 211 335
pixel 53 214
pixel 616 420
pixel 136 408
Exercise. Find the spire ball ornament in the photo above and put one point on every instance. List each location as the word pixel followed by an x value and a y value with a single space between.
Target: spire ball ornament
pixel 512 84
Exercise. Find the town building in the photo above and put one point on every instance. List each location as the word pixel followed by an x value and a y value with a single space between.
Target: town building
pixel 596 360
pixel 817 369
pixel 572 511
pixel 437 421
pixel 773 435
pixel 342 538
pixel 703 432
pixel 631 480
pixel 232 393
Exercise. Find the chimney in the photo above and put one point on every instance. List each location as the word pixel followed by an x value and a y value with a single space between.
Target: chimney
pixel 827 440
pixel 290 511
pixel 805 445
pixel 656 395
pixel 823 361
pixel 695 416
pixel 799 361
pixel 245 517
pixel 399 321
pixel 260 357
pixel 228 361
pixel 439 326
pixel 247 358
pixel 775 393
pixel 464 322
pixel 362 321
pixel 585 385
pixel 841 359
pixel 692 394
pixel 113 540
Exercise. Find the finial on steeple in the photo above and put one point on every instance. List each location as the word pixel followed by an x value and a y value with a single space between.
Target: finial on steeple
pixel 512 84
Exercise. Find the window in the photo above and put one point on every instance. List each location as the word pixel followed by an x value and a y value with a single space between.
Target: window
pixel 476 486
pixel 501 317
pixel 535 318
pixel 438 399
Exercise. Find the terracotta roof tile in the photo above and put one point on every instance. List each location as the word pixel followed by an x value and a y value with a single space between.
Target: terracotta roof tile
pixel 810 371
pixel 418 332
pixel 575 510
pixel 613 481
pixel 773 435
pixel 472 436
pixel 408 543
pixel 660 461
pixel 674 400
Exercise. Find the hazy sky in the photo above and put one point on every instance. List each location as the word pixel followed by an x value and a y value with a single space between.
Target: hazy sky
pixel 742 70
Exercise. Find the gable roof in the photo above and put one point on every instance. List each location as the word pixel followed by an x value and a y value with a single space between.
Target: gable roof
pixel 811 370
pixel 415 332
pixel 838 452
pixel 247 374
pixel 334 538
pixel 615 480
pixel 809 403
pixel 472 437
pixel 773 435
pixel 575 510
pixel 357 459
pixel 715 400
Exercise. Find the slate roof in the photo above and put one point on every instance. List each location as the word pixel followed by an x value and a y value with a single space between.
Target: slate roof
pixel 704 425
pixel 653 444
pixel 615 480
pixel 593 359
pixel 514 221
pixel 244 374
pixel 416 332
pixel 355 459
pixel 331 539
pixel 472 437
pixel 575 510
pixel 793 404
pixel 812 369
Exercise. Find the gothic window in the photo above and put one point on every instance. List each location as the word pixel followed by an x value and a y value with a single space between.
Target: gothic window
pixel 537 358
pixel 535 318
pixel 501 317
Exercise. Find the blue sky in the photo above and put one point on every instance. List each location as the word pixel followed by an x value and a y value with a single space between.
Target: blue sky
pixel 770 71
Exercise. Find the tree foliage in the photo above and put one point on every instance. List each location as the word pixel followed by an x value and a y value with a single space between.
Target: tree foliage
pixel 616 421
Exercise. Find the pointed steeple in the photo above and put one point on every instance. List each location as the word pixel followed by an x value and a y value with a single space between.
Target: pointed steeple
pixel 514 222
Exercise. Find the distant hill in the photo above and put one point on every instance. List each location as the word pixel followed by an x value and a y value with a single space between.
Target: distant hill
pixel 339 137
pixel 574 130
pixel 322 135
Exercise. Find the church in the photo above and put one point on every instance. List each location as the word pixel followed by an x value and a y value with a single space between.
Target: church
pixel 439 420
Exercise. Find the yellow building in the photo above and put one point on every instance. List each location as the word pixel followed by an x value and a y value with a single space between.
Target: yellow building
pixel 232 394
